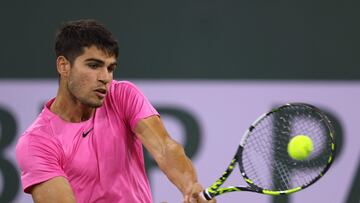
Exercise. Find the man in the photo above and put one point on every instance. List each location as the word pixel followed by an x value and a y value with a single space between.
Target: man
pixel 86 144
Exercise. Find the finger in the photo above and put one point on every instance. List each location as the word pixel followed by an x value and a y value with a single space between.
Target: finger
pixel 186 199
pixel 192 200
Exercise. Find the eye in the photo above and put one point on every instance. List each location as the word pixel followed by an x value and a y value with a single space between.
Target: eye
pixel 93 65
pixel 111 68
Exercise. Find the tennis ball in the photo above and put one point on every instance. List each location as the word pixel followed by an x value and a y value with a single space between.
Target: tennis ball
pixel 300 147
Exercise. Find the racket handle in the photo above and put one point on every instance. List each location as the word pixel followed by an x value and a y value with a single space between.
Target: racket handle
pixel 205 195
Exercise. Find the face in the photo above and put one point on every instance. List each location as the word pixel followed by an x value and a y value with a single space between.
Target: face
pixel 90 76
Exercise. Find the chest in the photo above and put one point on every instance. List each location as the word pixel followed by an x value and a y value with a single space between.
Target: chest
pixel 97 148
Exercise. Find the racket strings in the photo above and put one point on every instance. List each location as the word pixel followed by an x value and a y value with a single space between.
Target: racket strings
pixel 265 159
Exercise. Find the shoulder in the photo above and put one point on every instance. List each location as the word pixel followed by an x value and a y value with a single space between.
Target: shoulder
pixel 40 133
pixel 39 155
pixel 37 141
pixel 123 85
pixel 35 148
pixel 38 137
pixel 39 129
pixel 124 90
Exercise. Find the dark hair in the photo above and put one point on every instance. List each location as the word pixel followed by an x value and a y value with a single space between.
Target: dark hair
pixel 74 36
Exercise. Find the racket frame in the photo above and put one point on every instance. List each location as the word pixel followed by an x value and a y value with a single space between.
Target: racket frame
pixel 215 190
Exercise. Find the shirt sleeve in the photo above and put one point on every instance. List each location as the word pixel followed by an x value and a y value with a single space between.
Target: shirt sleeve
pixel 39 159
pixel 133 103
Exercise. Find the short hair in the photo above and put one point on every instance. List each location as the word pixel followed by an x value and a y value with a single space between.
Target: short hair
pixel 74 36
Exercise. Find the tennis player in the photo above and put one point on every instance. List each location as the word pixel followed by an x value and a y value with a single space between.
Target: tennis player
pixel 86 144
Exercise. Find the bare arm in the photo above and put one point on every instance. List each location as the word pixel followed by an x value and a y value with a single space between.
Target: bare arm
pixel 169 155
pixel 55 190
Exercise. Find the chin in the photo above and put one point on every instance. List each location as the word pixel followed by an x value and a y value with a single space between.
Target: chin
pixel 97 105
pixel 94 104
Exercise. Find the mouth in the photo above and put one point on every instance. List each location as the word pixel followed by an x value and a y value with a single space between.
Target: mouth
pixel 101 92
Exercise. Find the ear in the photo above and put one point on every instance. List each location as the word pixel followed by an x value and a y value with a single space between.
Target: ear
pixel 63 66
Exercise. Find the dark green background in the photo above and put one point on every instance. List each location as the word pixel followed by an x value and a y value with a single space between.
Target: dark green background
pixel 187 39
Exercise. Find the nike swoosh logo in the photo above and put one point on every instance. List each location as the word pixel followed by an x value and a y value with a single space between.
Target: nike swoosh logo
pixel 84 134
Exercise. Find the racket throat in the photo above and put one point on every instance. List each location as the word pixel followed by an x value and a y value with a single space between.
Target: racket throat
pixel 207 195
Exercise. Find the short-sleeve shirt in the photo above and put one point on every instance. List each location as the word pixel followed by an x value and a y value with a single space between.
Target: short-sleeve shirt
pixel 102 158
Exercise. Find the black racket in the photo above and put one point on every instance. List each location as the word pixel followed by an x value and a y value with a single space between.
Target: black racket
pixel 263 158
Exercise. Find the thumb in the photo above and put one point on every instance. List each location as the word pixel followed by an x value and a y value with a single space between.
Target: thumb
pixel 195 195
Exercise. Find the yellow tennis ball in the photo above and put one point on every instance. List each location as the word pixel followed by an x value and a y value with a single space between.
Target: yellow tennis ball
pixel 300 147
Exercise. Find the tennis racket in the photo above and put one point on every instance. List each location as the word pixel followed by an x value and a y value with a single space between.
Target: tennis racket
pixel 263 158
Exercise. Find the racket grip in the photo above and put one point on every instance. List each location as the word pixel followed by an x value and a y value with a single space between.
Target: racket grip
pixel 205 195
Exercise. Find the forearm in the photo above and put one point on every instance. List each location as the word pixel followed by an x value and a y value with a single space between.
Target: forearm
pixel 177 166
pixel 170 157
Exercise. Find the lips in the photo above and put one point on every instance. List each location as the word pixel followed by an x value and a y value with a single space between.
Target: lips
pixel 101 92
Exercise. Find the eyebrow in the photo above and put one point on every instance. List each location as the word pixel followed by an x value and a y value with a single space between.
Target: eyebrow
pixel 99 61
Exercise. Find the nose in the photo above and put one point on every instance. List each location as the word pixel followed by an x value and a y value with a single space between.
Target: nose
pixel 104 76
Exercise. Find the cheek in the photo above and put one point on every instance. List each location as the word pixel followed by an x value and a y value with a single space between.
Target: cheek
pixel 79 84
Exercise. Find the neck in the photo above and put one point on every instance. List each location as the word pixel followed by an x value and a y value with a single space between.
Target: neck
pixel 70 109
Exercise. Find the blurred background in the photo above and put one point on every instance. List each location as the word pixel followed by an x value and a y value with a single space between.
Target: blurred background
pixel 210 67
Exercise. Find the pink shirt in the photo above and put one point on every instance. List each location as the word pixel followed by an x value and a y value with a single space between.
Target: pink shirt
pixel 101 158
